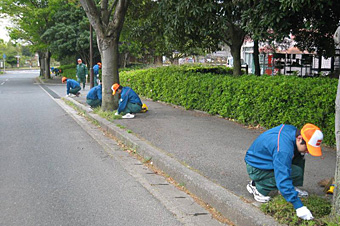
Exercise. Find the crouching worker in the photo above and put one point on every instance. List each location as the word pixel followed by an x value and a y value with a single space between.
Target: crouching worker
pixel 96 73
pixel 94 96
pixel 129 101
pixel 72 86
pixel 275 161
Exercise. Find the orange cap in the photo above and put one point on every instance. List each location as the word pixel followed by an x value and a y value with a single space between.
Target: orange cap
pixel 313 137
pixel 63 79
pixel 100 64
pixel 114 88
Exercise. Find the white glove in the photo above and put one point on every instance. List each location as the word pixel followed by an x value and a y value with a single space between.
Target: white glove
pixel 116 113
pixel 304 213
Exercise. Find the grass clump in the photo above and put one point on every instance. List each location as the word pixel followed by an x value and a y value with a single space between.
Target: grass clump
pixel 284 212
pixel 120 126
pixel 108 115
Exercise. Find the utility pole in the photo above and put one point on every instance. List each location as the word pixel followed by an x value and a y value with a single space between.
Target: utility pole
pixel 91 58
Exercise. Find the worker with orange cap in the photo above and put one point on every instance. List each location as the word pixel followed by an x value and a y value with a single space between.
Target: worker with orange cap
pixel 129 101
pixel 72 86
pixel 275 161
pixel 96 73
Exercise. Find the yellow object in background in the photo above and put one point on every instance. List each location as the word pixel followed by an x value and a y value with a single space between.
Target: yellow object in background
pixel 331 189
pixel 144 108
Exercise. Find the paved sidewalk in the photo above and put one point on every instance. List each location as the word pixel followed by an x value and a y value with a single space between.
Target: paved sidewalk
pixel 213 150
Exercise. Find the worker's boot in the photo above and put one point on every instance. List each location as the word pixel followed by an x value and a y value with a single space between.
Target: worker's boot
pixel 257 195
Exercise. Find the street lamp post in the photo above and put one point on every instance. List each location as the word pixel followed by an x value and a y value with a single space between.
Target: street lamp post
pixel 91 59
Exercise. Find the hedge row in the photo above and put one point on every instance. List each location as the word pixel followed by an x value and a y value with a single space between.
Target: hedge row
pixel 267 100
pixel 69 71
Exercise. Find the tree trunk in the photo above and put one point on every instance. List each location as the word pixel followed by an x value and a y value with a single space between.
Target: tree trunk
pixel 236 35
pixel 256 58
pixel 47 57
pixel 319 64
pixel 44 58
pixel 336 197
pixel 41 64
pixel 158 60
pixel 108 23
pixel 236 53
pixel 110 75
pixel 123 59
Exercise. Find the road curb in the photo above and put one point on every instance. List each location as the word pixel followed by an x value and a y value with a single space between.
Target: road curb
pixel 228 204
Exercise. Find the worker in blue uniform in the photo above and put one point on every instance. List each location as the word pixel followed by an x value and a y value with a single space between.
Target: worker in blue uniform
pixel 275 161
pixel 72 86
pixel 94 96
pixel 96 73
pixel 129 101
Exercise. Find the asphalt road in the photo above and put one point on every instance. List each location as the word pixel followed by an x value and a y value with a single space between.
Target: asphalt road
pixel 53 173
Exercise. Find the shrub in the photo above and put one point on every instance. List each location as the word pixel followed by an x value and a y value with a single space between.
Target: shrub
pixel 69 71
pixel 266 100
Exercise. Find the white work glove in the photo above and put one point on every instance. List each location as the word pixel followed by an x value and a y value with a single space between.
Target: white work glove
pixel 116 113
pixel 304 213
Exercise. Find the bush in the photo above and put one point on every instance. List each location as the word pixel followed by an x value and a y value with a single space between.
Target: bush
pixel 69 71
pixel 266 100
pixel 134 66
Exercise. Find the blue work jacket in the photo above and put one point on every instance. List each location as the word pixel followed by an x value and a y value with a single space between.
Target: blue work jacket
pixel 71 84
pixel 95 93
pixel 274 150
pixel 96 69
pixel 128 96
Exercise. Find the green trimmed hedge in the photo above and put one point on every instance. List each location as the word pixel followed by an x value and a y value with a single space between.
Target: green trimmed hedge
pixel 69 71
pixel 266 100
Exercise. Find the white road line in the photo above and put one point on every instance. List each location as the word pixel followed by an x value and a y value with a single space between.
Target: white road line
pixel 4 82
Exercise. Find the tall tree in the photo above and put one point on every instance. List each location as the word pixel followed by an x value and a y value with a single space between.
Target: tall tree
pixel 31 19
pixel 69 36
pixel 11 52
pixel 336 198
pixel 317 20
pixel 142 34
pixel 206 23
pixel 312 23
pixel 265 24
pixel 144 37
pixel 107 20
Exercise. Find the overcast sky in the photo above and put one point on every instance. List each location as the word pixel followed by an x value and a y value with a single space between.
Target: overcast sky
pixel 3 31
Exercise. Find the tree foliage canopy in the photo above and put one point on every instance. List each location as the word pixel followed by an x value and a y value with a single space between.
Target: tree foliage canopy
pixel 312 23
pixel 69 35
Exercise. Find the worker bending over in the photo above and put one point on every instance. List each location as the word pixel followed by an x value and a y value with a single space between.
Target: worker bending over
pixel 72 86
pixel 94 96
pixel 275 161
pixel 129 101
